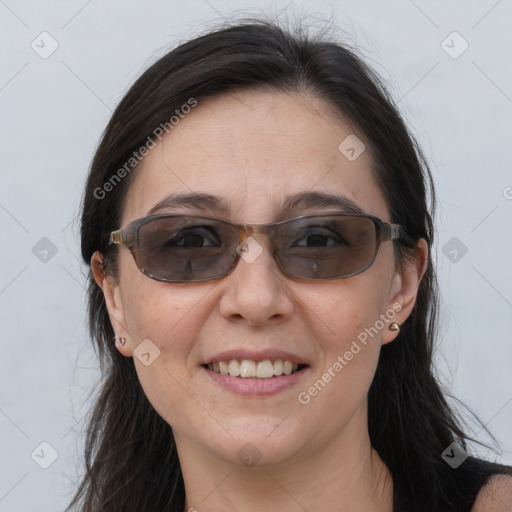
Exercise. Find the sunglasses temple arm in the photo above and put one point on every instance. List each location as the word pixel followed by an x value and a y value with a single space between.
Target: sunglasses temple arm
pixel 116 237
pixel 391 231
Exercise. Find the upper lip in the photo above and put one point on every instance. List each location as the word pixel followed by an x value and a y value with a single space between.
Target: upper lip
pixel 252 355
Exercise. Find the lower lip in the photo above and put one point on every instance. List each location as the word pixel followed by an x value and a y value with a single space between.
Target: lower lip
pixel 254 386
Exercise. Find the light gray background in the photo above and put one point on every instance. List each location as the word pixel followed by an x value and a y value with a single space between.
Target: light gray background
pixel 54 110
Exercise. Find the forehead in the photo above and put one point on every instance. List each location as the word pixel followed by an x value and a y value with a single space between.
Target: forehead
pixel 254 150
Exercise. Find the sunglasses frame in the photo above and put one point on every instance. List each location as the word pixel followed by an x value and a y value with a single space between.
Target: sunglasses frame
pixel 128 236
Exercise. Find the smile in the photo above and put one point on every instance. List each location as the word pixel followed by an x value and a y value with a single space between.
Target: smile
pixel 249 369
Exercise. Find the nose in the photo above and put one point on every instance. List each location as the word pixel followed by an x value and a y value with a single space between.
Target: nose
pixel 256 290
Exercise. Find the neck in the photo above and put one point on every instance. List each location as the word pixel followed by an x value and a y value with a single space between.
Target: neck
pixel 345 474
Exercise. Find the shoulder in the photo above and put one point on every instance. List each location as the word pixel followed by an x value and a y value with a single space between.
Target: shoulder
pixel 495 495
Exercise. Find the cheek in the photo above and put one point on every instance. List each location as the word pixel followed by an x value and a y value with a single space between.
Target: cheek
pixel 349 307
pixel 170 316
pixel 351 315
pixel 162 312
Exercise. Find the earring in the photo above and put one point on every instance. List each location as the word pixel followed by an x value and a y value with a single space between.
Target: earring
pixel 122 341
pixel 394 327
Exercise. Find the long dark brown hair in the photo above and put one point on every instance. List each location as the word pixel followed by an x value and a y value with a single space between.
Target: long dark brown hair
pixel 130 455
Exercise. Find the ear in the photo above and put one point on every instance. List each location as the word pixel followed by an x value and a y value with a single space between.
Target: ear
pixel 113 300
pixel 404 289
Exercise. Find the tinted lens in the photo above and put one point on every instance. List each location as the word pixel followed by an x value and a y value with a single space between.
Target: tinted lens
pixel 183 249
pixel 326 247
pixel 186 249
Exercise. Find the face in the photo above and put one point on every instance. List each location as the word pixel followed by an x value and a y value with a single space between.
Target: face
pixel 254 150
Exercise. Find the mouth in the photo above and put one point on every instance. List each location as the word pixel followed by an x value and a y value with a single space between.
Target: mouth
pixel 250 369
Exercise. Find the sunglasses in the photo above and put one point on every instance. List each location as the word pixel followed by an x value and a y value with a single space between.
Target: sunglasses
pixel 177 248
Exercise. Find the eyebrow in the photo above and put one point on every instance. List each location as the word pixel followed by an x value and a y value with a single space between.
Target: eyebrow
pixel 311 200
pixel 297 202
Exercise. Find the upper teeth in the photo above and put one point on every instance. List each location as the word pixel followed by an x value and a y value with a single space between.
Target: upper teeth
pixel 247 368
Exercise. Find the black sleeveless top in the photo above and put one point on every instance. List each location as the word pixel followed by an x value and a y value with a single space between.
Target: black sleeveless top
pixel 462 487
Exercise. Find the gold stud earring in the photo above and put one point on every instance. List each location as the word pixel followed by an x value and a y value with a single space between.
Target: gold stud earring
pixel 394 327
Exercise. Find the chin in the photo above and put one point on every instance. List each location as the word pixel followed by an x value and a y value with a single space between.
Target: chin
pixel 265 443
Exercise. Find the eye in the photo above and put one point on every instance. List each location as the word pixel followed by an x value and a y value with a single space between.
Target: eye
pixel 320 237
pixel 196 237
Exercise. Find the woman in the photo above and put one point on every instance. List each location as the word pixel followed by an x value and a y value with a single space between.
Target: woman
pixel 262 293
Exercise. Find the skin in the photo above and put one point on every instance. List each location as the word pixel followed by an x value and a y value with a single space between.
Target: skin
pixel 496 496
pixel 255 148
